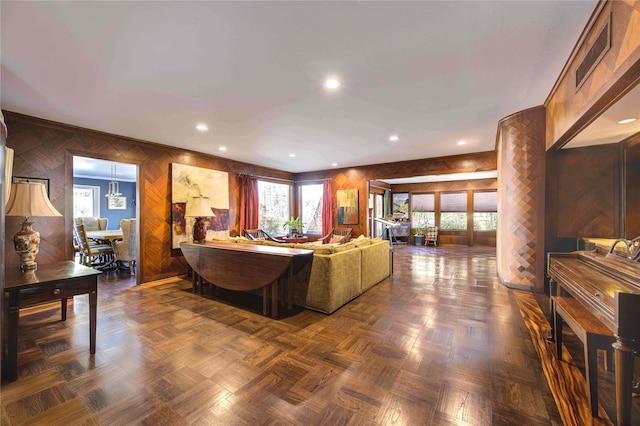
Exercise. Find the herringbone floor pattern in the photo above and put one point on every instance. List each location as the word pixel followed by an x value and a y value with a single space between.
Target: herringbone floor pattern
pixel 441 342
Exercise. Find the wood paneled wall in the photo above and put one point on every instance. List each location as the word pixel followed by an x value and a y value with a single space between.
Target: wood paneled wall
pixel 583 195
pixel 632 190
pixel 568 110
pixel 45 149
pixel 3 138
pixel 357 177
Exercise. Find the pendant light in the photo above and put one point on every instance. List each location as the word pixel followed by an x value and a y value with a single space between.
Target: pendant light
pixel 114 187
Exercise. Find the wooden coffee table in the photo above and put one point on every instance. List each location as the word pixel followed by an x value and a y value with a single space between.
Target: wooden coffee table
pixel 295 239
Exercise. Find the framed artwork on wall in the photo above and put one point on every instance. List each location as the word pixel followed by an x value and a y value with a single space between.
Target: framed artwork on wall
pixel 188 182
pixel 347 200
pixel 400 205
pixel 116 203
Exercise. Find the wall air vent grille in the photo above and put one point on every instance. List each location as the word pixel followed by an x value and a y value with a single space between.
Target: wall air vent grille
pixel 595 54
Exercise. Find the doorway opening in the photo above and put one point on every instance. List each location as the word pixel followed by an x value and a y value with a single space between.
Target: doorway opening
pixel 105 195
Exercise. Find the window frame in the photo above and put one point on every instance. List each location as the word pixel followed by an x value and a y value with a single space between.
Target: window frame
pixel 492 212
pixel 464 212
pixel 96 199
pixel 280 229
pixel 421 225
pixel 300 205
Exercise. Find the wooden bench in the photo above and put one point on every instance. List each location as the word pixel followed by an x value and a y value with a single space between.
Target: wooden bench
pixel 593 334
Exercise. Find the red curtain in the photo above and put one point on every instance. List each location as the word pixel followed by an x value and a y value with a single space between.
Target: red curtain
pixel 248 203
pixel 327 208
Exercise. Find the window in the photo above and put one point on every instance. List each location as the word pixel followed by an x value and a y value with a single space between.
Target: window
pixel 311 208
pixel 379 213
pixel 485 211
pixel 453 210
pixel 274 206
pixel 86 201
pixel 423 210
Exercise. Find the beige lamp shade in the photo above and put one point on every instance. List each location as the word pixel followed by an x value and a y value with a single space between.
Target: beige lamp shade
pixel 199 207
pixel 29 199
pixel 8 172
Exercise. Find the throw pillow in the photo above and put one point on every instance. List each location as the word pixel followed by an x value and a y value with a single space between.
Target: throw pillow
pixel 362 242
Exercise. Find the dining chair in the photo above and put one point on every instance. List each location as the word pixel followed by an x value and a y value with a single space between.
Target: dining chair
pixel 99 256
pixel 432 236
pixel 92 223
pixel 126 250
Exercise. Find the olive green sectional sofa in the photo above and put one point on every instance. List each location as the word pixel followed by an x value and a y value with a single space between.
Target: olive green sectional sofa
pixel 338 273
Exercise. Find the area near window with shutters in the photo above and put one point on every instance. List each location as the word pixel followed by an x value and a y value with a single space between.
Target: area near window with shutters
pixel 453 210
pixel 463 217
pixel 485 210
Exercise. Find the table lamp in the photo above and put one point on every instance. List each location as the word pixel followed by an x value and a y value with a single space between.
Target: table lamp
pixel 28 199
pixel 199 207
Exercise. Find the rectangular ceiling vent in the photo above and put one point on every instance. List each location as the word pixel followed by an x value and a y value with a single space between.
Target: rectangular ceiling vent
pixel 595 54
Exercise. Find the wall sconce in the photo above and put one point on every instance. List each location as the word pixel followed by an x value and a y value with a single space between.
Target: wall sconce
pixel 199 207
pixel 28 199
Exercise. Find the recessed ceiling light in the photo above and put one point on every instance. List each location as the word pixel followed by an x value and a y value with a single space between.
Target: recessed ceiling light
pixel 222 148
pixel 202 127
pixel 394 138
pixel 292 155
pixel 628 120
pixel 332 84
pixel 462 142
pixel 334 164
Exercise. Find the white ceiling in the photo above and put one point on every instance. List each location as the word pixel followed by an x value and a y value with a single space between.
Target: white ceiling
pixel 432 72
pixel 605 129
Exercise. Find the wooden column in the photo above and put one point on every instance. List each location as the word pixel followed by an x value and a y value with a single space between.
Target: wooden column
pixel 521 173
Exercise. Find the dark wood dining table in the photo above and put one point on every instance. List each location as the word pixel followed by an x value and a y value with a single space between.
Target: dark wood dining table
pixel 105 235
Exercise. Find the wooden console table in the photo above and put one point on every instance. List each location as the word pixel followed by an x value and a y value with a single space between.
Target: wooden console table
pixel 244 267
pixel 50 282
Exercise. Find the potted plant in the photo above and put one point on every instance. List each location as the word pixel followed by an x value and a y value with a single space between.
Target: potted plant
pixel 419 236
pixel 295 226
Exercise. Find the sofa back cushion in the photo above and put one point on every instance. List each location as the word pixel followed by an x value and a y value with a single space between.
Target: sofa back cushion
pixel 344 247
pixel 362 241
pixel 317 248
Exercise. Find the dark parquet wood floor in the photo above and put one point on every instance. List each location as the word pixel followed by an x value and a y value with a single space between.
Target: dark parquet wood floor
pixel 441 342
